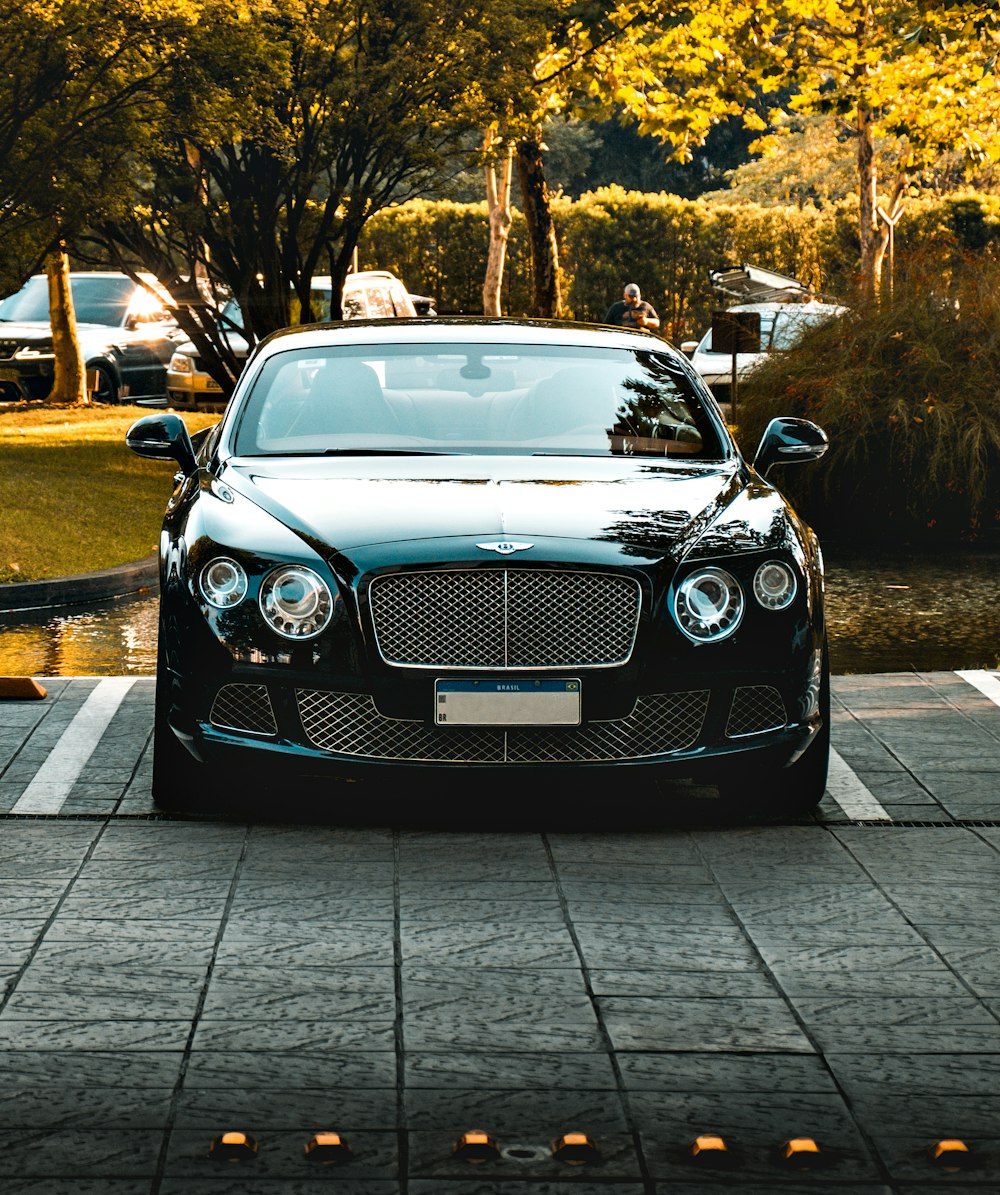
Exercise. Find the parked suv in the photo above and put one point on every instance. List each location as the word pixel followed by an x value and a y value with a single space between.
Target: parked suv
pixel 368 294
pixel 126 334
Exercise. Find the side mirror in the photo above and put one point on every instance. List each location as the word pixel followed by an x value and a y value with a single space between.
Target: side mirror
pixel 787 441
pixel 163 438
pixel 688 347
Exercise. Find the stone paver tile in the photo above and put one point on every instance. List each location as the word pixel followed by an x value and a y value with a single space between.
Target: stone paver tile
pixel 114 1035
pixel 889 1023
pixel 429 911
pixel 276 1071
pixel 429 984
pixel 53 1067
pixel 67 1107
pixel 79 1003
pixel 676 983
pixel 764 1073
pixel 300 944
pixel 616 945
pixel 488 943
pixel 83 1153
pixel 70 954
pixel 927 1073
pixel 468 1022
pixel 529 1070
pixel 724 1024
pixel 248 912
pixel 288 1035
pixel 287 1110
pixel 514 1114
pixel 342 995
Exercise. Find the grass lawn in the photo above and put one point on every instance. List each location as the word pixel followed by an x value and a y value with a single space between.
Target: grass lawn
pixel 73 498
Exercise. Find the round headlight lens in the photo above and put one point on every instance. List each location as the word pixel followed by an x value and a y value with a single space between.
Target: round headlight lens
pixel 708 605
pixel 774 585
pixel 223 583
pixel 296 602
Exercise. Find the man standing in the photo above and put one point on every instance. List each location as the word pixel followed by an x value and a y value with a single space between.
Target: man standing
pixel 632 311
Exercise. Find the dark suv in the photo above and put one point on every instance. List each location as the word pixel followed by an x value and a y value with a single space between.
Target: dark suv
pixel 126 335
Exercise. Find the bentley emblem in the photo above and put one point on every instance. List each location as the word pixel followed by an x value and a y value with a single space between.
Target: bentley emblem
pixel 504 546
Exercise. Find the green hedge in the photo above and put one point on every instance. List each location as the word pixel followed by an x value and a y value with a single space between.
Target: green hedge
pixel 666 244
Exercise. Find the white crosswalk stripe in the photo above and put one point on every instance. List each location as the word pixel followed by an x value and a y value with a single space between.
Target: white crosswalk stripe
pixel 853 796
pixel 51 784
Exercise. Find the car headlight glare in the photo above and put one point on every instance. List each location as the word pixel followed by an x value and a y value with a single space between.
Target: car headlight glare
pixel 223 583
pixel 708 605
pixel 774 585
pixel 181 363
pixel 296 602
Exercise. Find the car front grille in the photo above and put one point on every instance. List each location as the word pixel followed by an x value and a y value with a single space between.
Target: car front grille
pixel 350 724
pixel 505 618
pixel 755 708
pixel 243 707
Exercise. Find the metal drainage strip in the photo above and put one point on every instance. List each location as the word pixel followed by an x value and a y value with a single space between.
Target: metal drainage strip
pixel 955 824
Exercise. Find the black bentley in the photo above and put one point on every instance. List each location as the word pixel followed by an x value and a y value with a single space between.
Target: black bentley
pixel 501 548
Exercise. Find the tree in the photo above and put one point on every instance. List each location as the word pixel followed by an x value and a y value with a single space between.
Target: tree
pixel 79 82
pixel 908 80
pixel 289 126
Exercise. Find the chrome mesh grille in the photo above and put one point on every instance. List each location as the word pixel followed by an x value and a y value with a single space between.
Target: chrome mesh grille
pixel 505 618
pixel 755 708
pixel 349 723
pixel 243 707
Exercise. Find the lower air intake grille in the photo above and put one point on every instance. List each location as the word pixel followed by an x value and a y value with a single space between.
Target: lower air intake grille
pixel 349 724
pixel 755 708
pixel 243 707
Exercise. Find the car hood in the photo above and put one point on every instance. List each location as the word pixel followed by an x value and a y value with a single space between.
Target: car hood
pixel 349 503
pixel 33 330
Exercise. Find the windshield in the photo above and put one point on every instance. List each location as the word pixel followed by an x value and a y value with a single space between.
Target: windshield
pixel 96 300
pixel 470 398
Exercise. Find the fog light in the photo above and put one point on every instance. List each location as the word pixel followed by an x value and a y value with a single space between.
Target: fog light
pixel 575 1149
pixel 233 1147
pixel 476 1145
pixel 329 1149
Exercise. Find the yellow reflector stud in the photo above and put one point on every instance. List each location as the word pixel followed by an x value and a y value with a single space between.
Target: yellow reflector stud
pixel 233 1147
pixel 575 1149
pixel 707 1147
pixel 800 1151
pixel 476 1145
pixel 20 688
pixel 328 1149
pixel 951 1154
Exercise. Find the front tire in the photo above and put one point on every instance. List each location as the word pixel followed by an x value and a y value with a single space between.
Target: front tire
pixel 794 790
pixel 106 388
pixel 175 773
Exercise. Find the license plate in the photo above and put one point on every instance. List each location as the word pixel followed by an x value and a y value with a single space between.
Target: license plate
pixel 507 702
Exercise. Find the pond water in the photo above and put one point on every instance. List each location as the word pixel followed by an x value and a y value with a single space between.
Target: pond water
pixel 885 613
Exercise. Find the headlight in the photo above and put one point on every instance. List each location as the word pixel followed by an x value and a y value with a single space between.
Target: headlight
pixel 223 583
pixel 181 363
pixel 296 602
pixel 774 585
pixel 708 605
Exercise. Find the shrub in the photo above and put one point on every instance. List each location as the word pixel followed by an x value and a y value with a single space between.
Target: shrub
pixel 908 391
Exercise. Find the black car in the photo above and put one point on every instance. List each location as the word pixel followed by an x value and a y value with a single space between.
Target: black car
pixel 484 549
pixel 125 330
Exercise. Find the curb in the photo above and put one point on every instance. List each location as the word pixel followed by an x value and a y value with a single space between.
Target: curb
pixel 138 576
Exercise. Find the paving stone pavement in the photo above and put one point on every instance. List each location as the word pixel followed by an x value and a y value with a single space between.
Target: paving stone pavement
pixel 640 969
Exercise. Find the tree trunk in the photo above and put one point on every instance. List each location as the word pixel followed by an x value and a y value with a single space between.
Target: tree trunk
pixel 70 383
pixel 873 237
pixel 498 180
pixel 547 301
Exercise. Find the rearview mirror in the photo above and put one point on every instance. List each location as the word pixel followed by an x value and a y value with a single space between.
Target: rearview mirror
pixel 163 438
